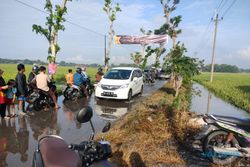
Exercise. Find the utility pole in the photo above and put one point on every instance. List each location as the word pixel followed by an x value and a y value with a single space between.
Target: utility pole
pixel 213 54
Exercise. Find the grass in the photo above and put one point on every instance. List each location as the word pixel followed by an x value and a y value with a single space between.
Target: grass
pixel 232 87
pixel 10 72
pixel 151 134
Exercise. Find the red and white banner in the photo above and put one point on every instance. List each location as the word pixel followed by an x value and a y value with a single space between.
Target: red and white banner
pixel 144 40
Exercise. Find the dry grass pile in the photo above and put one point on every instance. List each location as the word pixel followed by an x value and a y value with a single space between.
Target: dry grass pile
pixel 150 134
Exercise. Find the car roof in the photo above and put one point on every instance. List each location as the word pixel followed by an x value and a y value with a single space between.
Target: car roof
pixel 126 68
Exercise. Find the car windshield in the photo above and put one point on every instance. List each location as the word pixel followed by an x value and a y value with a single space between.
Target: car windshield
pixel 118 74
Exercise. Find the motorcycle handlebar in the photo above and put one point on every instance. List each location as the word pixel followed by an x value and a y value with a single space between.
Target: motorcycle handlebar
pixel 76 147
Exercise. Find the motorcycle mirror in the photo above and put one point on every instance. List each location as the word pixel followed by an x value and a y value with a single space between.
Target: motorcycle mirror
pixel 106 128
pixel 84 115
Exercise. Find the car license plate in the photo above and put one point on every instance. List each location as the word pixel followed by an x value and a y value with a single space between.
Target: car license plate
pixel 108 93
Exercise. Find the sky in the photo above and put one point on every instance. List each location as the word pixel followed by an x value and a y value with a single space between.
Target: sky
pixel 86 45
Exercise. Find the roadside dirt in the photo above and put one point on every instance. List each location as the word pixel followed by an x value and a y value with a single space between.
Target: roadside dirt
pixel 156 134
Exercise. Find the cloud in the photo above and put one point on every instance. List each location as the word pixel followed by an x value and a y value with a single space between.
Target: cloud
pixel 244 54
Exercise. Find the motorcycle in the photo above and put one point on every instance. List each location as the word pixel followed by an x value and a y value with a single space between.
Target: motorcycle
pixel 52 150
pixel 225 140
pixel 40 99
pixel 74 92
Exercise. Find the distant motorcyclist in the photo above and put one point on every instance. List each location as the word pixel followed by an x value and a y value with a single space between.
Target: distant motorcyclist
pixel 98 75
pixel 79 81
pixel 69 77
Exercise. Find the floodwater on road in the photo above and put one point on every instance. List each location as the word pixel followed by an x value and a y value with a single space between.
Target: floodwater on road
pixel 19 135
pixel 207 103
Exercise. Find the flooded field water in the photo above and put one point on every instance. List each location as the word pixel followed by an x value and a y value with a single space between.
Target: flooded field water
pixel 19 135
pixel 207 103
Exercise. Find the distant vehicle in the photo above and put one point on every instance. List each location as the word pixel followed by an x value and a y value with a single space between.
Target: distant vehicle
pixel 162 75
pixel 120 83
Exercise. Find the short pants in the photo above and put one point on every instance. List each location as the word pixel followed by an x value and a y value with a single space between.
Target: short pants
pixel 9 101
pixel 21 98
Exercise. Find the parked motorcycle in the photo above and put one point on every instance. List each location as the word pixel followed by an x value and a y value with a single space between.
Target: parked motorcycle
pixel 40 99
pixel 74 92
pixel 225 139
pixel 52 150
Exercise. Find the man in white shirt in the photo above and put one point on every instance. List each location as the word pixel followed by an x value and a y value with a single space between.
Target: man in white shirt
pixel 42 81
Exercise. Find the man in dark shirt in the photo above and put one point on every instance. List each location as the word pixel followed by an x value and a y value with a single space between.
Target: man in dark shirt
pixel 21 88
pixel 33 73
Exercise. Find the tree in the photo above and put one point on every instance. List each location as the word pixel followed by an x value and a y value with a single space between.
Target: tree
pixel 180 66
pixel 53 25
pixel 140 60
pixel 111 13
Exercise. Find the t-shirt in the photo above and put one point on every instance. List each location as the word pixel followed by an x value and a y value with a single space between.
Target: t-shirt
pixel 2 83
pixel 42 81
pixel 69 78
pixel 10 92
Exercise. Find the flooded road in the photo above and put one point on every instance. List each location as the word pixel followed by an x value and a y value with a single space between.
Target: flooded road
pixel 19 135
pixel 208 103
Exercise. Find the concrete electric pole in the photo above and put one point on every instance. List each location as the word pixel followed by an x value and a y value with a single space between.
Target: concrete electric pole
pixel 216 20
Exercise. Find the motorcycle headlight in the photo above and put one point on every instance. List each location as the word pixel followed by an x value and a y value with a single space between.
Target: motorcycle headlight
pixel 124 86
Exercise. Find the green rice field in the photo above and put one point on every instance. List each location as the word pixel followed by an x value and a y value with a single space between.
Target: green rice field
pixel 232 87
pixel 10 72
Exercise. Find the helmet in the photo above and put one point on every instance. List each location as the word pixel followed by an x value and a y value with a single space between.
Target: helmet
pixel 100 69
pixel 35 68
pixel 78 70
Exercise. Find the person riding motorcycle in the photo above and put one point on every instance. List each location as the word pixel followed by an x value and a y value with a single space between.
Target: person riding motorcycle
pixel 79 81
pixel 33 73
pixel 42 81
pixel 69 78
pixel 98 75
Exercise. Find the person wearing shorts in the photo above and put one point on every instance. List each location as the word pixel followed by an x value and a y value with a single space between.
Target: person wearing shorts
pixel 22 90
pixel 10 98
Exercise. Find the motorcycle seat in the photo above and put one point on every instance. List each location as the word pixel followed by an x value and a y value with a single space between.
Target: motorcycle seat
pixel 55 152
pixel 241 122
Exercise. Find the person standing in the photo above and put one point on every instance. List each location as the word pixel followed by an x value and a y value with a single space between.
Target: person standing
pixel 11 97
pixel 98 75
pixel 3 87
pixel 22 90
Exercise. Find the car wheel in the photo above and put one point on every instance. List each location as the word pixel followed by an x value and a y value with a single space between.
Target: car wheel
pixel 130 95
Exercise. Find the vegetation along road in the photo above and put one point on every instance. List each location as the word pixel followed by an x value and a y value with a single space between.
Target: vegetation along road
pixel 233 87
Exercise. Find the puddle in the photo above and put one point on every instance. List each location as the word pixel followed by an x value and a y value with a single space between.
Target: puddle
pixel 208 103
pixel 18 136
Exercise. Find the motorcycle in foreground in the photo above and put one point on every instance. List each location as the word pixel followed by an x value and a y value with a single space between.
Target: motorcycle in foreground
pixel 52 150
pixel 225 140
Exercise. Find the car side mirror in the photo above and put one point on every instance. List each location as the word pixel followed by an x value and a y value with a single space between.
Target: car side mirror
pixel 84 115
pixel 106 128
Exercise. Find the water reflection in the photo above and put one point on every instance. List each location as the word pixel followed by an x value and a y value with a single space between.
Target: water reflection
pixel 111 110
pixel 207 102
pixel 13 140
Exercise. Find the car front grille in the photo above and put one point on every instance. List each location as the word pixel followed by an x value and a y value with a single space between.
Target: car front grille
pixel 110 87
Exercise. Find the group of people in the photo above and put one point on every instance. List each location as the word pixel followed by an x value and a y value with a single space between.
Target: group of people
pixel 18 89
pixel 80 78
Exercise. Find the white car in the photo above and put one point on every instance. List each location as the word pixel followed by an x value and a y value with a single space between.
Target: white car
pixel 120 83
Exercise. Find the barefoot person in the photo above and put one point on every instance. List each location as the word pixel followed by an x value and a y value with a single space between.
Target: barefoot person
pixel 10 98
pixel 42 81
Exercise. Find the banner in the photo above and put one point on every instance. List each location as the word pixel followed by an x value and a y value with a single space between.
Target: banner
pixel 146 39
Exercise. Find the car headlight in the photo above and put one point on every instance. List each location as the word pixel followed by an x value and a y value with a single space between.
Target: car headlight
pixel 124 86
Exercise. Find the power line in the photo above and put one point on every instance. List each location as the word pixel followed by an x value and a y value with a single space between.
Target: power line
pixel 219 5
pixel 70 22
pixel 228 8
pixel 222 6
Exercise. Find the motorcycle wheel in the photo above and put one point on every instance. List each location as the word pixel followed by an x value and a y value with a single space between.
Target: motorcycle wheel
pixel 37 105
pixel 66 93
pixel 217 138
pixel 74 95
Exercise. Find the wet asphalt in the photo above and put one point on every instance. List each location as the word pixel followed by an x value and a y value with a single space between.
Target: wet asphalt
pixel 19 135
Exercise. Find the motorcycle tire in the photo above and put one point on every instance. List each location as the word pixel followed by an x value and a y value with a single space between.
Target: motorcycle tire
pixel 37 105
pixel 66 93
pixel 216 138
